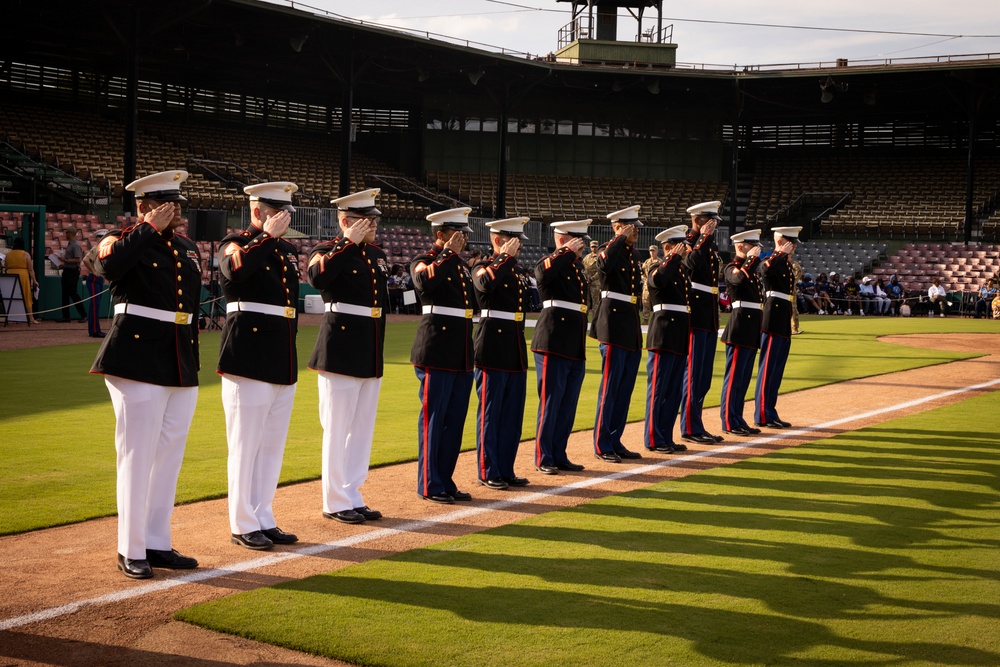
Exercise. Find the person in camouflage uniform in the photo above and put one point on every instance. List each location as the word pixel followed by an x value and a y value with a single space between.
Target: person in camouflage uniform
pixel 591 271
pixel 647 268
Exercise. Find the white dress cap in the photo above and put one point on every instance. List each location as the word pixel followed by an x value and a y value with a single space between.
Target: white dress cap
pixel 510 227
pixel 455 218
pixel 577 228
pixel 789 233
pixel 359 202
pixel 673 235
pixel 708 209
pixel 276 195
pixel 749 236
pixel 628 216
pixel 162 186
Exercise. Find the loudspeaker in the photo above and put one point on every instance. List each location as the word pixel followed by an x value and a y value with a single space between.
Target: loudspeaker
pixel 207 225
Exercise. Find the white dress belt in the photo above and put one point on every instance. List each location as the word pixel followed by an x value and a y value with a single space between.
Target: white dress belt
pixel 618 296
pixel 153 313
pixel 352 309
pixel 752 305
pixel 567 305
pixel 671 306
pixel 262 308
pixel 450 312
pixel 502 315
pixel 705 288
pixel 779 295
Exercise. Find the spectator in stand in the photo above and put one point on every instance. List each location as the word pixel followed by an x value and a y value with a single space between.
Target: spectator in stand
pixel 882 303
pixel 808 303
pixel 867 294
pixel 19 264
pixel 938 297
pixel 987 293
pixel 852 296
pixel 823 295
pixel 71 259
pixel 896 294
pixel 836 291
pixel 396 285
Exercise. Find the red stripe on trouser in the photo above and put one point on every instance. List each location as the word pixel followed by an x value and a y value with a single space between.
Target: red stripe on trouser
pixel 761 410
pixel 601 397
pixel 482 428
pixel 729 389
pixel 541 412
pixel 652 402
pixel 427 424
pixel 690 374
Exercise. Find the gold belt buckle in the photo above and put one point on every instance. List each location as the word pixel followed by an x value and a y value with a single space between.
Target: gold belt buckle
pixel 468 314
pixel 376 312
pixel 632 299
pixel 518 317
pixel 583 308
pixel 181 318
pixel 289 312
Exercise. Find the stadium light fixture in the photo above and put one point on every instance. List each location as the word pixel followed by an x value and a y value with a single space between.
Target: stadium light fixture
pixel 474 77
pixel 654 87
pixel 826 94
pixel 298 42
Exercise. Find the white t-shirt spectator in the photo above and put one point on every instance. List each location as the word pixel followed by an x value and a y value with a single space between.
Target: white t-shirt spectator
pixel 936 291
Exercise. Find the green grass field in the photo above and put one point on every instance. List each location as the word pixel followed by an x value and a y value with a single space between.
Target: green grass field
pixel 875 547
pixel 58 426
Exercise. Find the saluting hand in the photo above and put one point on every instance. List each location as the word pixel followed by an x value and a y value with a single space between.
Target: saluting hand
pixel 357 232
pixel 511 247
pixel 709 227
pixel 161 216
pixel 577 245
pixel 754 251
pixel 276 225
pixel 456 243
pixel 786 247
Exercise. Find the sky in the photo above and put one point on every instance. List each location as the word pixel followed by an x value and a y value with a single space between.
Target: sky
pixel 705 31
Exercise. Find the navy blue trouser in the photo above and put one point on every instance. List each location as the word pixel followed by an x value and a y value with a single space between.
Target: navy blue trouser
pixel 770 370
pixel 697 379
pixel 619 369
pixel 94 285
pixel 498 422
pixel 559 382
pixel 739 368
pixel 444 402
pixel 664 376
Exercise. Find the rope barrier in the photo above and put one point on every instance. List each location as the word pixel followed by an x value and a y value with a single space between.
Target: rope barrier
pixel 102 292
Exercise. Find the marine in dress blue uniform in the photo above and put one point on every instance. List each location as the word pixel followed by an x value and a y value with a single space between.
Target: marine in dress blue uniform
pixel 442 355
pixel 617 326
pixel 666 342
pixel 776 327
pixel 257 360
pixel 703 265
pixel 559 344
pixel 352 274
pixel 150 364
pixel 742 333
pixel 501 356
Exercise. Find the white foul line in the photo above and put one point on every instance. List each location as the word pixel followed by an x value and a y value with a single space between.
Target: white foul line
pixel 417 525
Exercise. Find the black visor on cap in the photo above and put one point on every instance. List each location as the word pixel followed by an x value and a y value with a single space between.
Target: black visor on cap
pixel 363 210
pixel 516 235
pixel 278 204
pixel 459 226
pixel 162 195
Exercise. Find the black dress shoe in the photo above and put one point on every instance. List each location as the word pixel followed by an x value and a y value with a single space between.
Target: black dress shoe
pixel 516 481
pixel 610 457
pixel 368 513
pixel 678 447
pixel 345 516
pixel 442 498
pixel 254 540
pixel 717 438
pixel 99 334
pixel 700 438
pixel 460 495
pixel 170 560
pixel 777 423
pixel 739 430
pixel 547 470
pixel 278 536
pixel 496 483
pixel 82 320
pixel 663 449
pixel 134 569
pixel 570 466
pixel 626 454
pixel 753 431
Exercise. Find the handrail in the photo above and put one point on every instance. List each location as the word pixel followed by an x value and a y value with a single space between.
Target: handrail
pixel 417 190
pixel 840 202
pixel 796 205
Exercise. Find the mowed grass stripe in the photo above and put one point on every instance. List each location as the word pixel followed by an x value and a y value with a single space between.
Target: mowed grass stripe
pixel 59 463
pixel 873 547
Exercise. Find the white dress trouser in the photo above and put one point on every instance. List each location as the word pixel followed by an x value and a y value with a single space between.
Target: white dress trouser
pixel 151 428
pixel 257 417
pixel 347 408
